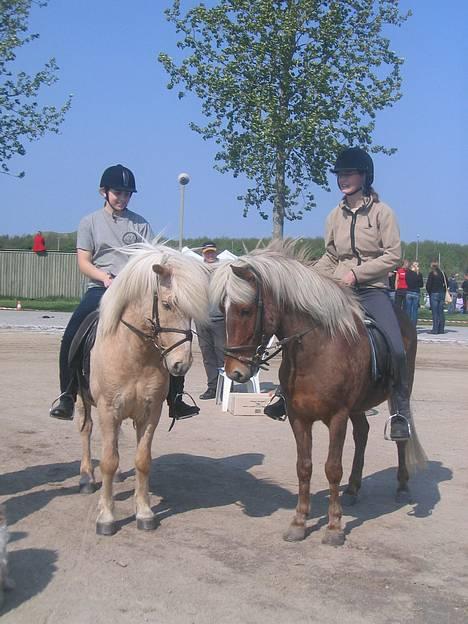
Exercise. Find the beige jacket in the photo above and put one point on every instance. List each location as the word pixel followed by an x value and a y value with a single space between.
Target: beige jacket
pixel 366 242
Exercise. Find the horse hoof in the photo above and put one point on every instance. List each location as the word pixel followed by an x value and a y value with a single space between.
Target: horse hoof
pixel 333 538
pixel 147 524
pixel 294 534
pixel 348 499
pixel 87 488
pixel 106 528
pixel 403 497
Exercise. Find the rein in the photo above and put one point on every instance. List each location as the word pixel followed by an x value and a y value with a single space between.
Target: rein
pixel 156 330
pixel 262 355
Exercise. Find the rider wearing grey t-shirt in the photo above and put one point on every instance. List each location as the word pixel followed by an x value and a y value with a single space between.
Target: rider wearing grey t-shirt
pixel 104 235
pixel 101 237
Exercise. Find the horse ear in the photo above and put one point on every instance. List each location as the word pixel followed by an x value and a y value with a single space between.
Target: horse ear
pixel 164 274
pixel 244 273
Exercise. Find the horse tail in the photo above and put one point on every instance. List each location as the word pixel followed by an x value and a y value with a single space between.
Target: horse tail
pixel 416 458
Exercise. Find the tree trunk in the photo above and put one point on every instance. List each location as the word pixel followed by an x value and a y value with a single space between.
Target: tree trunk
pixel 280 195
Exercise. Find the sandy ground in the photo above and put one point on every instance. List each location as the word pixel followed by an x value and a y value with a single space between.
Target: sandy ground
pixel 224 488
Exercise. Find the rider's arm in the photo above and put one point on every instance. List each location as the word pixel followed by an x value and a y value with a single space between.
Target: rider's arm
pixel 86 266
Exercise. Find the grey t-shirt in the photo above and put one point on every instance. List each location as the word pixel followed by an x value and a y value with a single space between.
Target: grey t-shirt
pixel 102 234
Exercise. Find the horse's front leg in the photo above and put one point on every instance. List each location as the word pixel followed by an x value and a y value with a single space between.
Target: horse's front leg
pixel 109 423
pixel 85 427
pixel 360 435
pixel 145 428
pixel 334 471
pixel 303 434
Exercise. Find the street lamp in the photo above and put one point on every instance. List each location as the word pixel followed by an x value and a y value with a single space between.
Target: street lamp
pixel 183 179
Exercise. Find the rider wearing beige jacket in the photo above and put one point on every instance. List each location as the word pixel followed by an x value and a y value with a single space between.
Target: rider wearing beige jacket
pixel 365 241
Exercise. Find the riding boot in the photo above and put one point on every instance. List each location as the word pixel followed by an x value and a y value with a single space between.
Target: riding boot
pixel 64 409
pixel 178 409
pixel 400 420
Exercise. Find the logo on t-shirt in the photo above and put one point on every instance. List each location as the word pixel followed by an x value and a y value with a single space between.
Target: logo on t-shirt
pixel 129 238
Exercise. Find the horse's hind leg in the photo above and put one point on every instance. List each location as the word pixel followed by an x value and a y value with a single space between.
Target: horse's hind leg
pixel 85 425
pixel 403 493
pixel 360 435
pixel 303 434
pixel 145 518
pixel 334 471
pixel 105 524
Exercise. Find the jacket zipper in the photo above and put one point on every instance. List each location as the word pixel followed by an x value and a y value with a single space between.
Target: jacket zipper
pixel 353 240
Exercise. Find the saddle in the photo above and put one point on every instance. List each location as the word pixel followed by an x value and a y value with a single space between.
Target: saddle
pixel 80 350
pixel 381 355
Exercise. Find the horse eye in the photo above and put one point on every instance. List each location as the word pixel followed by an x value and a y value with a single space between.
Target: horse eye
pixel 166 305
pixel 245 312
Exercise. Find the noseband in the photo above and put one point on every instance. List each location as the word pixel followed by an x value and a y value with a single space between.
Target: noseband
pixel 156 330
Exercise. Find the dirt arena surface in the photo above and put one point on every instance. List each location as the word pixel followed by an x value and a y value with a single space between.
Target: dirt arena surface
pixel 224 489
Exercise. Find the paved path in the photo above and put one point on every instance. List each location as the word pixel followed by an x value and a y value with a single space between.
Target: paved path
pixel 41 320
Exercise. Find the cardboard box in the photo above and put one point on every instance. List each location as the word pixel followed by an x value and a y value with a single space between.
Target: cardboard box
pixel 247 403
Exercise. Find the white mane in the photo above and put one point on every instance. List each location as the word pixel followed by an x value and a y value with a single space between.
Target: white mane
pixel 294 284
pixel 137 282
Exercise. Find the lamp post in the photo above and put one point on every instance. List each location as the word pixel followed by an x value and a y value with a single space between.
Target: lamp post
pixel 183 179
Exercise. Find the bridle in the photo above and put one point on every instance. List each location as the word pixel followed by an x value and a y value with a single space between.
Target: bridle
pixel 154 336
pixel 262 354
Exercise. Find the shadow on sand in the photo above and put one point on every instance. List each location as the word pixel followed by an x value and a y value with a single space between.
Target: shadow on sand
pixel 32 570
pixel 185 482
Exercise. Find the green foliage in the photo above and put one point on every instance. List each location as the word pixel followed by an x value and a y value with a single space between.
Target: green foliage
pixel 285 84
pixel 21 118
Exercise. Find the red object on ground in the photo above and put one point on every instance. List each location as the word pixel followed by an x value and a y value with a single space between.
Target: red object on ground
pixel 39 243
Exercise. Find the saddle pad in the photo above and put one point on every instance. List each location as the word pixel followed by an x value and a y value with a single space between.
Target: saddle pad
pixel 381 360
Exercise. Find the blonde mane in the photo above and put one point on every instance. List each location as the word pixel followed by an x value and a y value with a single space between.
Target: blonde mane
pixel 137 282
pixel 294 284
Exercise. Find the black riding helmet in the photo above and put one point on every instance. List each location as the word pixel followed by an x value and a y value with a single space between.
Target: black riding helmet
pixel 356 158
pixel 119 178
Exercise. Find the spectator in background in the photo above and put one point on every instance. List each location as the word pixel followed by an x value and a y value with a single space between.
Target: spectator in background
pixel 435 286
pixel 39 245
pixel 453 290
pixel 401 287
pixel 414 281
pixel 465 293
pixel 212 337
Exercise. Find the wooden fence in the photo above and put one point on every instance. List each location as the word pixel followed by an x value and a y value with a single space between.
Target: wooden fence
pixel 27 275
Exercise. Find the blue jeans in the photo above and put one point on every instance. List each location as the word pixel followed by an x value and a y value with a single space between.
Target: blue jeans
pixel 437 300
pixel 412 305
pixel 89 303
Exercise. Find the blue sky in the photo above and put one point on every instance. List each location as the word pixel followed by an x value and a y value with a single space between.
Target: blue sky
pixel 122 112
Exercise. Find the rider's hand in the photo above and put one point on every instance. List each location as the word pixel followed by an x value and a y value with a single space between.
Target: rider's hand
pixel 349 279
pixel 108 281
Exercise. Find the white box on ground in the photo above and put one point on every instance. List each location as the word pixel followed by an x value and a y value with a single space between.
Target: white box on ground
pixel 248 403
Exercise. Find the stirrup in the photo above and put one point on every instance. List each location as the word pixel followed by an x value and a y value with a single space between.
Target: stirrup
pixel 388 428
pixel 183 417
pixel 280 396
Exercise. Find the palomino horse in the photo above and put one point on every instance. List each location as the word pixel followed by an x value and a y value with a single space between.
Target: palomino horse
pixel 143 334
pixel 325 372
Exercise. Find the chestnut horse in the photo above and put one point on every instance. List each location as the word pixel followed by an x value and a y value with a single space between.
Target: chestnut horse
pixel 143 335
pixel 325 372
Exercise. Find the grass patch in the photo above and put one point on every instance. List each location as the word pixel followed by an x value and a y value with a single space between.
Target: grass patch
pixel 53 304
